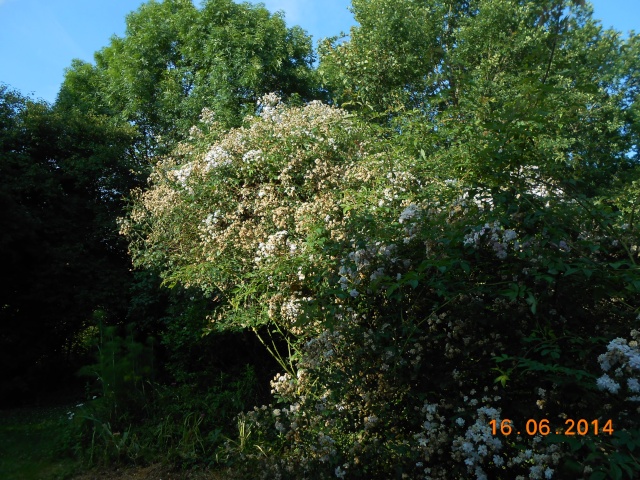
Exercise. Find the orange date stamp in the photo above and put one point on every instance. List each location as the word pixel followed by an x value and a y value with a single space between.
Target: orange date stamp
pixel 542 427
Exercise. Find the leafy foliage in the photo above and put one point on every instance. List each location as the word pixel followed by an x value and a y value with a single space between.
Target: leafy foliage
pixel 60 179
pixel 454 247
pixel 175 59
pixel 465 261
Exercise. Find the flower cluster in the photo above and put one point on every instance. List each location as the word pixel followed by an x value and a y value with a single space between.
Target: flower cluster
pixel 216 157
pixel 623 360
pixel 494 235
pixel 276 244
pixel 478 442
pixel 367 264
pixel 183 173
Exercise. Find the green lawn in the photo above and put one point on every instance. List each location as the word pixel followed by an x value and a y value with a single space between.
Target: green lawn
pixel 30 444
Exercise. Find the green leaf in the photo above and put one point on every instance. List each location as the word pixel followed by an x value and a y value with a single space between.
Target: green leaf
pixel 465 266
pixel 628 469
pixel 634 286
pixel 392 289
pixel 502 379
pixel 615 472
pixel 533 303
pixel 598 476
pixel 570 270
pixel 501 358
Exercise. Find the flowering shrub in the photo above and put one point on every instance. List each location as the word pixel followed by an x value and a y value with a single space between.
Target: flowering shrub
pixel 416 311
pixel 626 357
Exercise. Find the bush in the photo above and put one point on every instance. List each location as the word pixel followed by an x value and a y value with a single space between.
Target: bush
pixel 419 315
pixel 130 417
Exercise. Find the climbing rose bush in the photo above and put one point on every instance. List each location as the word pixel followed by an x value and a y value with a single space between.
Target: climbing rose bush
pixel 419 311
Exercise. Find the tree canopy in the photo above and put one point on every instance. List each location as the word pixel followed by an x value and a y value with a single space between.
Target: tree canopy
pixel 61 179
pixel 176 59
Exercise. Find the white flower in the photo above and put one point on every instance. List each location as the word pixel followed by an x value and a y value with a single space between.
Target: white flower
pixel 618 344
pixel 183 173
pixel 604 362
pixel 634 361
pixel 216 157
pixel 605 382
pixel 408 213
pixel 252 156
pixel 194 131
pixel 207 115
pixel 480 475
pixel 268 107
pixel 377 274
pixel 508 235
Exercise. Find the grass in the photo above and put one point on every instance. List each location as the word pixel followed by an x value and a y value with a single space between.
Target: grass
pixel 31 441
pixel 36 443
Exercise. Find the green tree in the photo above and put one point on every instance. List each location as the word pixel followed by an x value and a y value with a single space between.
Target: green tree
pixel 175 59
pixel 61 178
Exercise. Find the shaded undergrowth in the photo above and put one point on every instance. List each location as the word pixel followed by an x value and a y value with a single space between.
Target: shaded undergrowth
pixel 32 444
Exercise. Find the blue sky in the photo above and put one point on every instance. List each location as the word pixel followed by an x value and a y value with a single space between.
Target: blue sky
pixel 39 38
